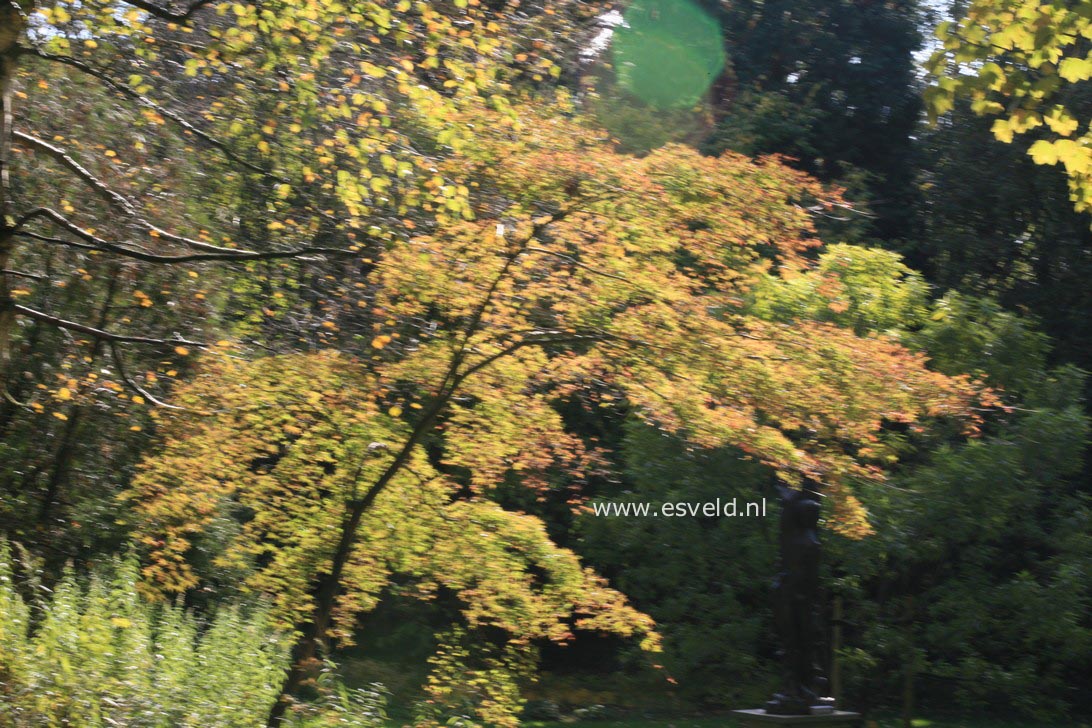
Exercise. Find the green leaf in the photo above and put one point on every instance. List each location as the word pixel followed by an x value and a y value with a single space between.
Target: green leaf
pixel 938 102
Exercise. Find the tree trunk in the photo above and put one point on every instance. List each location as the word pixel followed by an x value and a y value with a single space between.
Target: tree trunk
pixel 911 667
pixel 11 28
pixel 66 450
pixel 313 636
pixel 305 654
pixel 835 648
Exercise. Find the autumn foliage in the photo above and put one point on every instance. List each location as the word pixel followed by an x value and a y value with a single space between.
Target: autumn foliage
pixel 577 274
pixel 437 257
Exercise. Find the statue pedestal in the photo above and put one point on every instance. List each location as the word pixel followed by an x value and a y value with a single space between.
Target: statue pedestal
pixel 759 718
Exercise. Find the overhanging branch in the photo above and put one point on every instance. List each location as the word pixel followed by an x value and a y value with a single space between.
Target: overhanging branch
pixel 93 242
pixel 175 16
pixel 115 199
pixel 99 333
pixel 123 90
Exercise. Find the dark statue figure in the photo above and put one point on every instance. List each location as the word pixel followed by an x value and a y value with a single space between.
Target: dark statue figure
pixel 796 598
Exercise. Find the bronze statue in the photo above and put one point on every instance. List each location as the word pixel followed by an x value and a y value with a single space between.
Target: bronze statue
pixel 796 596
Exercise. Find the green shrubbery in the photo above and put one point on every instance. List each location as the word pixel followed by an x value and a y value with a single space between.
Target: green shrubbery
pixel 92 652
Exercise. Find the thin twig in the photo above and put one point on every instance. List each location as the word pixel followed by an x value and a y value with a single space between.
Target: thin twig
pixel 573 261
pixel 131 383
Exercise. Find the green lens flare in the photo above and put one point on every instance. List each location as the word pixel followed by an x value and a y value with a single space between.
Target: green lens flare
pixel 668 52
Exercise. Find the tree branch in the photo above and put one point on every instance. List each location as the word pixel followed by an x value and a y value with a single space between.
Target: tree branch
pixel 21 274
pixel 123 90
pixel 129 382
pixel 116 200
pixel 487 300
pixel 175 16
pixel 96 243
pixel 99 333
pixel 552 337
pixel 573 261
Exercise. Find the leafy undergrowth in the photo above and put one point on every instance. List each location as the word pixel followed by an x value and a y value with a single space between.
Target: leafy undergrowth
pixel 727 722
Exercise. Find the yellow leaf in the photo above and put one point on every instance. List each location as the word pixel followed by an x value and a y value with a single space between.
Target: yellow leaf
pixel 1043 152
pixel 1002 131
pixel 1075 69
pixel 394 411
pixel 64 393
pixel 181 351
pixel 1061 122
pixel 1076 157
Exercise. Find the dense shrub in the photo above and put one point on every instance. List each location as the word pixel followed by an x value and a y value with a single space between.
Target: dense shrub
pixel 95 653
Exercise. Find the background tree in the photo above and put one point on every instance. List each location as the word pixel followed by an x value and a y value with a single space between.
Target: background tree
pixel 833 86
pixel 1024 63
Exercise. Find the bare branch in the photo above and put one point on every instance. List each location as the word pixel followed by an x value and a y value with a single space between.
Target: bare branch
pixel 99 333
pixel 131 383
pixel 94 182
pixel 175 16
pixel 21 274
pixel 118 201
pixel 55 241
pixel 123 90
pixel 96 243
pixel 11 398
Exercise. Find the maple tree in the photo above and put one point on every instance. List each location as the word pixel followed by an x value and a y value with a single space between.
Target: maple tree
pixel 579 270
pixel 1019 60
